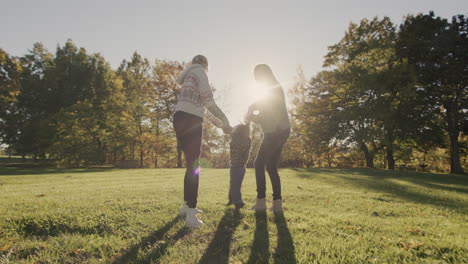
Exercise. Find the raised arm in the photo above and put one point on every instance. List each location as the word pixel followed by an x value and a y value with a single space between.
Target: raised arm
pixel 206 96
pixel 253 112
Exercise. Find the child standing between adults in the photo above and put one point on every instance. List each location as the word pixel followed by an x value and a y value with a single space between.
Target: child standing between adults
pixel 239 154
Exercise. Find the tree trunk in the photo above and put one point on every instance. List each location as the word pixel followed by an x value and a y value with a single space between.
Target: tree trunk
pixel 388 143
pixel 179 155
pixel 140 131
pixel 114 157
pixel 329 160
pixel 453 131
pixel 141 155
pixel 157 145
pixel 390 158
pixel 367 155
pixel 132 150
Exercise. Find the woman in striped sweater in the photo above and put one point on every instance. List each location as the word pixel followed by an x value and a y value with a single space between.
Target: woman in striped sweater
pixel 194 98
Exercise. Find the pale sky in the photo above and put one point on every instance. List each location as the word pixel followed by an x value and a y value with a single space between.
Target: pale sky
pixel 234 35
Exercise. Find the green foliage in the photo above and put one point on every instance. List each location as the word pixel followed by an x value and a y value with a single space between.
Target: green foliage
pixel 438 52
pixel 72 107
pixel 10 71
pixel 371 97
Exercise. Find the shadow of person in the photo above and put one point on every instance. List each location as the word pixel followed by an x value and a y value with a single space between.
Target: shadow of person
pixel 285 252
pixel 160 250
pixel 158 235
pixel 219 247
pixel 259 252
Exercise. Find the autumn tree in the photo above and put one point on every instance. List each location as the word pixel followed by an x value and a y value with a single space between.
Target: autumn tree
pixel 10 71
pixel 136 76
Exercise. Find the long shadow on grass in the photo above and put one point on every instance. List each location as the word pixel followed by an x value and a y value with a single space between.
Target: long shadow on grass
pixel 381 173
pixel 378 180
pixel 259 252
pixel 160 250
pixel 285 252
pixel 382 185
pixel 218 250
pixel 14 171
pixel 157 240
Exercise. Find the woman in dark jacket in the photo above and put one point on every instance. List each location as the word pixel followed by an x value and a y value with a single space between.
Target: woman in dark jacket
pixel 271 113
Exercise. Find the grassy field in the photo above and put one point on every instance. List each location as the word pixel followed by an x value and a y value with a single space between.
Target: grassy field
pixel 331 216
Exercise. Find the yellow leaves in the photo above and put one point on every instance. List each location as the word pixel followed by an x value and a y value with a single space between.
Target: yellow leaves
pixel 411 245
pixel 416 231
pixel 7 246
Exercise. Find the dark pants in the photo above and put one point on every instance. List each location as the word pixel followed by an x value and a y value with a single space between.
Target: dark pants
pixel 189 132
pixel 235 184
pixel 268 156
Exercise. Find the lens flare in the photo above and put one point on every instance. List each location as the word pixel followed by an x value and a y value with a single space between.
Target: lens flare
pixel 197 171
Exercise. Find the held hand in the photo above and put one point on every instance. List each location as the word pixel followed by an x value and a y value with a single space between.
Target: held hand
pixel 248 117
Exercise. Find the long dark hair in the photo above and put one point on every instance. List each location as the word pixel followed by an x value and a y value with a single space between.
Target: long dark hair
pixel 263 72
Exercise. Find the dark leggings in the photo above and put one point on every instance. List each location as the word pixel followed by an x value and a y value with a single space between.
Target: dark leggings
pixel 189 132
pixel 268 156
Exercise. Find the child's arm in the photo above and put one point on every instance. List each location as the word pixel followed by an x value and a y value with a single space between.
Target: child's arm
pixel 253 112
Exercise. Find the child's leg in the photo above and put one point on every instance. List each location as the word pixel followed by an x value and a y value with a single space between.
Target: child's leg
pixel 241 179
pixel 231 184
pixel 237 176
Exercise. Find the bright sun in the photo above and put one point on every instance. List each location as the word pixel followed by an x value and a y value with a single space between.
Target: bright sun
pixel 257 91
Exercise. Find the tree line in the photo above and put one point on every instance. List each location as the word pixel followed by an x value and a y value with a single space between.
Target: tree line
pixel 389 96
pixel 392 95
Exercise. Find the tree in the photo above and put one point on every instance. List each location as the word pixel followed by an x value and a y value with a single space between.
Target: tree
pixel 164 98
pixel 438 51
pixel 34 98
pixel 136 76
pixel 10 71
pixel 87 124
pixel 296 153
pixel 376 88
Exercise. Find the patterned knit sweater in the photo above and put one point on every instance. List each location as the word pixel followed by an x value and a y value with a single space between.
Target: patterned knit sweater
pixel 196 96
pixel 195 92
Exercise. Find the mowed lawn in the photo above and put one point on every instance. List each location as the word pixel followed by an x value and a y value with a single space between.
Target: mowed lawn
pixel 331 216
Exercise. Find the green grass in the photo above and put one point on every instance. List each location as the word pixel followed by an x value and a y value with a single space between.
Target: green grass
pixel 331 216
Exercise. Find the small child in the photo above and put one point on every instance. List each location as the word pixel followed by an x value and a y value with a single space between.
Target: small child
pixel 239 154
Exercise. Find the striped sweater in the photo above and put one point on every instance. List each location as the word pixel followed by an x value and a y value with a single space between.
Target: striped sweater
pixel 195 93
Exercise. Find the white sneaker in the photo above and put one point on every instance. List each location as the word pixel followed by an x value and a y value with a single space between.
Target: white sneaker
pixel 191 218
pixel 277 206
pixel 260 205
pixel 183 209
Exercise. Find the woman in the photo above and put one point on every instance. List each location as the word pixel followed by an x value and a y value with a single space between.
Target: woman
pixel 271 113
pixel 193 99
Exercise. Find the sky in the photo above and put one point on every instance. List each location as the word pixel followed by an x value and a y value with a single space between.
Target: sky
pixel 234 35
